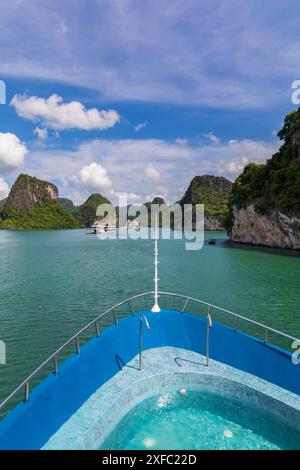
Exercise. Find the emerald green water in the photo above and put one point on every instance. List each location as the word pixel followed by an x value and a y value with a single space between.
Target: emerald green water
pixel 54 282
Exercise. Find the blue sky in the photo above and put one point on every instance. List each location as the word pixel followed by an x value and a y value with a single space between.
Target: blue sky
pixel 123 96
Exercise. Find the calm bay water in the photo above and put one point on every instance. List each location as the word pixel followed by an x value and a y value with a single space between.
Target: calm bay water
pixel 52 283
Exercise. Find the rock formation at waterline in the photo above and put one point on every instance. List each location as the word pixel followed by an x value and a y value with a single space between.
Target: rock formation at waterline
pixel 265 199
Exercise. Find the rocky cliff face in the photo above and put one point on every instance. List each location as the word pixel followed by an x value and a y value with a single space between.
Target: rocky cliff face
pixel 265 199
pixel 277 230
pixel 33 204
pixel 28 191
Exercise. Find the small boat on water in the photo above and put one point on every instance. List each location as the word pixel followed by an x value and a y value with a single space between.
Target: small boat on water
pixel 100 227
pixel 103 227
pixel 133 225
pixel 211 241
pixel 107 228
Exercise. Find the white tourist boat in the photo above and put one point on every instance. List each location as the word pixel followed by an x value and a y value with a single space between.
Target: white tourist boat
pixel 133 225
pixel 103 227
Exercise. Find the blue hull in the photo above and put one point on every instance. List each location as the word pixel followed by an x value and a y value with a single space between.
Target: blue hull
pixel 30 425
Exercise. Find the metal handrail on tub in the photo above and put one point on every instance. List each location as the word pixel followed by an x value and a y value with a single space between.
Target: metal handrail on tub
pixel 25 385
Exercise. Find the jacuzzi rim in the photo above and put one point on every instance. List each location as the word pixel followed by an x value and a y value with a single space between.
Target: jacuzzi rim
pixel 246 382
pixel 198 388
pixel 209 388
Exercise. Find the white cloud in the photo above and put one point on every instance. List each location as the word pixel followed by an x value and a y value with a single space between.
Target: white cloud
pixel 235 167
pixel 94 177
pixel 218 60
pixel 54 113
pixel 62 27
pixel 124 198
pixel 41 133
pixel 121 168
pixel 12 151
pixel 141 126
pixel 152 173
pixel 4 189
pixel 238 153
pixel 77 197
pixel 212 137
pixel 181 141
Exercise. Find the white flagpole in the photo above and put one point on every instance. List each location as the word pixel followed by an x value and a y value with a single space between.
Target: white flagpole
pixel 155 308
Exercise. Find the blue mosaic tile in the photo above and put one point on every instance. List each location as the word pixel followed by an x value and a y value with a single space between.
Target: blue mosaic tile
pixel 163 372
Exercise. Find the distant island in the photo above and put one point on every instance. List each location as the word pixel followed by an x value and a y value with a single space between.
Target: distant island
pixel 262 207
pixel 86 212
pixel 214 193
pixel 35 204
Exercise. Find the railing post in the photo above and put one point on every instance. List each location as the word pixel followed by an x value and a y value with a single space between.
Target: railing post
pixel 141 343
pixel 26 396
pixel 55 365
pixel 115 317
pixel 266 335
pixel 97 329
pixel 208 326
pixel 237 323
pixel 185 305
pixel 77 345
pixel 131 308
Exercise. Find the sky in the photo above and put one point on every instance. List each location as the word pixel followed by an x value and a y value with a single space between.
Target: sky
pixel 124 97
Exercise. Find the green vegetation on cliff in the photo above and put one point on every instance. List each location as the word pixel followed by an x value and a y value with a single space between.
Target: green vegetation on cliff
pixel 32 204
pixel 67 204
pixel 44 215
pixel 276 184
pixel 212 191
pixel 86 213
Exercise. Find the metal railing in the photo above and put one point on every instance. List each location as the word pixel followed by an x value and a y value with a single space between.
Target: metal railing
pixel 25 385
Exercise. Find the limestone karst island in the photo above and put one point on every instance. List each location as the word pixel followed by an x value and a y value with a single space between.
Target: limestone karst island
pixel 261 207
